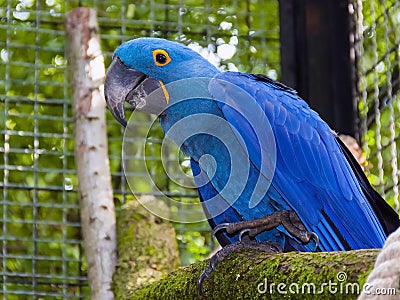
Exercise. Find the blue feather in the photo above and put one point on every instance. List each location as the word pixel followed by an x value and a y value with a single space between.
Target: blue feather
pixel 312 176
pixel 269 151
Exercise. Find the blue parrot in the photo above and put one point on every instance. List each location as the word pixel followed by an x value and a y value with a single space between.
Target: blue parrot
pixel 267 167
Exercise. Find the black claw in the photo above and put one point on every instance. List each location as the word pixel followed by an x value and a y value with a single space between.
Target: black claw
pixel 205 275
pixel 222 226
pixel 243 232
pixel 315 238
pixel 290 221
pixel 287 218
pixel 220 256
pixel 213 263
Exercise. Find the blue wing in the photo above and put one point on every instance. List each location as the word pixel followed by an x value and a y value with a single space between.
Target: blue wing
pixel 312 175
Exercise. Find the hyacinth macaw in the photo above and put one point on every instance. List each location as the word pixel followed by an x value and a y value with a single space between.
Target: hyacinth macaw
pixel 292 161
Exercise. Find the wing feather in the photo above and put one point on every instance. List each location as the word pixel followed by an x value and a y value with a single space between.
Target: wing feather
pixel 312 175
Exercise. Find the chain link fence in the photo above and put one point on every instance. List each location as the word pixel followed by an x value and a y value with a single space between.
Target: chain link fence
pixel 40 239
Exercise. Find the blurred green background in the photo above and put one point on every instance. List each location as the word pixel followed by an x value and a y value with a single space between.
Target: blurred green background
pixel 40 238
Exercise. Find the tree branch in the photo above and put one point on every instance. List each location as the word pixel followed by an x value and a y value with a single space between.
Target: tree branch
pixel 146 247
pixel 256 275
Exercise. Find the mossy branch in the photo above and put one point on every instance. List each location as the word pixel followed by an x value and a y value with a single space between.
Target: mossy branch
pixel 254 275
pixel 147 248
pixel 148 252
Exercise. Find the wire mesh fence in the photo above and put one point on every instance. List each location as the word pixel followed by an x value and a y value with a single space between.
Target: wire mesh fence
pixel 379 85
pixel 41 250
pixel 40 236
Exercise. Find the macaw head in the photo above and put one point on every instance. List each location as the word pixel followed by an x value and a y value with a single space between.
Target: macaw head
pixel 144 65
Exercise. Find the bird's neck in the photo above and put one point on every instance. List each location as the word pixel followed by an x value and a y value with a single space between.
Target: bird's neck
pixel 190 118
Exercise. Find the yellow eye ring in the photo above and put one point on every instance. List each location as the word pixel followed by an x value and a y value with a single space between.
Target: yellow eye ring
pixel 161 57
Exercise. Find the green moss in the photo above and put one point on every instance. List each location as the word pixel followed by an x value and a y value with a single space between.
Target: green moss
pixel 242 274
pixel 147 250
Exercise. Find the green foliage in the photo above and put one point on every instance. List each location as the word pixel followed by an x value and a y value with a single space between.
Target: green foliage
pixel 39 207
pixel 40 220
pixel 39 217
pixel 380 95
pixel 237 25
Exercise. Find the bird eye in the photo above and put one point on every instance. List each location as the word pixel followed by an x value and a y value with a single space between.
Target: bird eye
pixel 161 57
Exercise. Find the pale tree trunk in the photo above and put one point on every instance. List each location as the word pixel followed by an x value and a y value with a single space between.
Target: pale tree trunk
pixel 91 153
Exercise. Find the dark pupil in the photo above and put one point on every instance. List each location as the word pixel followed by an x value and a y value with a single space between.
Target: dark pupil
pixel 161 58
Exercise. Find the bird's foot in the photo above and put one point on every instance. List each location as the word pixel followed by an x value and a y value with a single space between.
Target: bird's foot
pixel 247 230
pixel 269 247
pixel 287 218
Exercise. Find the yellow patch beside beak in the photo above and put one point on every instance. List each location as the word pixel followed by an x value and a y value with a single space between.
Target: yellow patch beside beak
pixel 164 91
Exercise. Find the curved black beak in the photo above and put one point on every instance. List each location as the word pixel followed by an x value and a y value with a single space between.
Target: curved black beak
pixel 126 84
